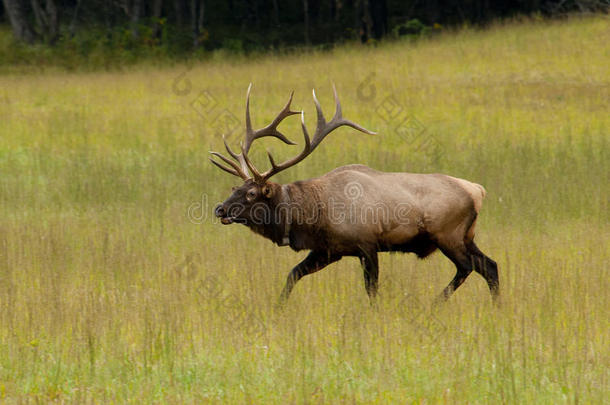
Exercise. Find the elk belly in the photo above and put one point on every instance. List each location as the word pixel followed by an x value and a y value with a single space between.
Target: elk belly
pixel 400 235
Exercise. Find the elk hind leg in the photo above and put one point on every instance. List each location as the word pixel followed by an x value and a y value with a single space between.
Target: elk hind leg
pixel 486 267
pixel 461 259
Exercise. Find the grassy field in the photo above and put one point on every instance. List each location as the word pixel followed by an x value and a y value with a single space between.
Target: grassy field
pixel 117 286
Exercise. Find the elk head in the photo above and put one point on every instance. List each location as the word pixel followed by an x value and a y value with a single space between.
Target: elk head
pixel 257 191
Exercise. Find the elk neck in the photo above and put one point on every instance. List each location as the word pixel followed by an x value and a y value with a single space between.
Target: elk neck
pixel 295 216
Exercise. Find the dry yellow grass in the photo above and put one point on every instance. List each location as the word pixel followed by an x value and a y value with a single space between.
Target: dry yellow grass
pixel 110 293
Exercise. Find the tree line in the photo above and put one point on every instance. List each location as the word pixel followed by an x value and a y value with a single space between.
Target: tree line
pixel 250 24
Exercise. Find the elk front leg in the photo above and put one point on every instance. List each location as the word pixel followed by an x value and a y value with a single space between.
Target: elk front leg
pixel 370 266
pixel 314 261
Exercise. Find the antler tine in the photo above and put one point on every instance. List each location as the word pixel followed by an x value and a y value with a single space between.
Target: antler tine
pixel 233 154
pixel 323 128
pixel 226 169
pixel 234 169
pixel 240 170
pixel 342 121
pixel 321 122
pixel 249 132
pixel 243 158
pixel 269 130
pixel 338 112
pixel 238 157
pixel 275 168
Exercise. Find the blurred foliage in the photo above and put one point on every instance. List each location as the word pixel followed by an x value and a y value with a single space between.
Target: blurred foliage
pixel 105 34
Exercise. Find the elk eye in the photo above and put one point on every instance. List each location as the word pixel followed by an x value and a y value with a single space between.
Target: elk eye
pixel 251 194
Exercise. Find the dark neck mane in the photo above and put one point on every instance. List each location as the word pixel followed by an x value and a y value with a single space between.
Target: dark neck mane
pixel 294 216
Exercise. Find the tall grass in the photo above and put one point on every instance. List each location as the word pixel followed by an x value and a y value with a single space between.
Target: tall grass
pixel 110 292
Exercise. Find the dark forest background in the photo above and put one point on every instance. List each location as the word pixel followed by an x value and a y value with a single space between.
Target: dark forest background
pixel 182 27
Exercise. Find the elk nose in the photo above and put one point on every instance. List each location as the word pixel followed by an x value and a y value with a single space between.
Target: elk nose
pixel 219 211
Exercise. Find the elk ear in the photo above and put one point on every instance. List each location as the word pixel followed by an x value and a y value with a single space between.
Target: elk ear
pixel 267 191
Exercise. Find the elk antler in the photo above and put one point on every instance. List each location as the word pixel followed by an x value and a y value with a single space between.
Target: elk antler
pixel 245 166
pixel 323 128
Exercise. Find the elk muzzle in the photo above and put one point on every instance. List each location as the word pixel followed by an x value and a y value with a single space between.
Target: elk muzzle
pixel 221 213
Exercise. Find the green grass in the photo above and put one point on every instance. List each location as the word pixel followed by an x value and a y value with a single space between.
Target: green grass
pixel 109 293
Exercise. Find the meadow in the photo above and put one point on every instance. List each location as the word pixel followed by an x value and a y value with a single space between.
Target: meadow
pixel 118 286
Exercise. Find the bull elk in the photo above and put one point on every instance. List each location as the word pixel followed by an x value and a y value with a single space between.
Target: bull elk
pixel 354 210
